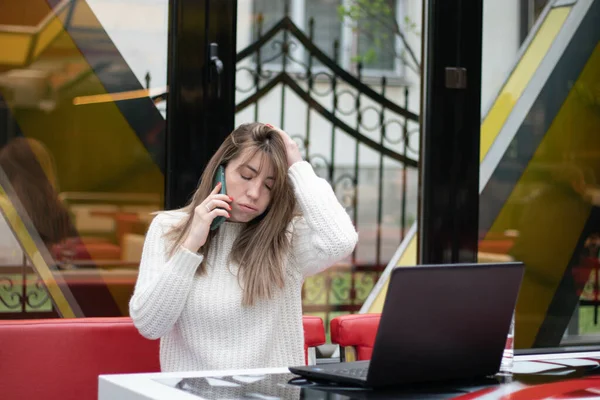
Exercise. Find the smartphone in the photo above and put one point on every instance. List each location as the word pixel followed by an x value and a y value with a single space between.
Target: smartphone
pixel 219 177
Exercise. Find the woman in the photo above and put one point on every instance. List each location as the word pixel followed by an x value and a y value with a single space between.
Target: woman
pixel 231 297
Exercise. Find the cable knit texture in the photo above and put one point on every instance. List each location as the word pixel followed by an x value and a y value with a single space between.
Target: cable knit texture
pixel 200 319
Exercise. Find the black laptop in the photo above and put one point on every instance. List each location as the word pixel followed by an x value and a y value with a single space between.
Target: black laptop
pixel 439 323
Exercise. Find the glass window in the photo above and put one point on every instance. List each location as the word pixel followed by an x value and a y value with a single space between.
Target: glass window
pixel 541 163
pixel 265 15
pixel 327 23
pixel 81 153
pixel 377 37
pixel 370 36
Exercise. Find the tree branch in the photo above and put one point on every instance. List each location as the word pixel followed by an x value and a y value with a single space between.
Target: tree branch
pixel 415 69
pixel 394 27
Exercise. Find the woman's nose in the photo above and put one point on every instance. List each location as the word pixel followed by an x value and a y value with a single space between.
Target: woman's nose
pixel 253 191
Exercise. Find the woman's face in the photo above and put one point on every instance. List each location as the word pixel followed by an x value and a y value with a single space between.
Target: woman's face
pixel 249 182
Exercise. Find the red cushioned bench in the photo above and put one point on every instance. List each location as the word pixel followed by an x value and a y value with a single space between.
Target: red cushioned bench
pixel 60 359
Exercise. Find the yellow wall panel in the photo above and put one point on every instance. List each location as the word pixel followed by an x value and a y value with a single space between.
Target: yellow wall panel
pixel 408 258
pixel 520 77
pixel 47 35
pixel 553 216
pixel 14 48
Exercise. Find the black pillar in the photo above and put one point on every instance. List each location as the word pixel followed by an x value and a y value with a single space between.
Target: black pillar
pixel 450 118
pixel 201 79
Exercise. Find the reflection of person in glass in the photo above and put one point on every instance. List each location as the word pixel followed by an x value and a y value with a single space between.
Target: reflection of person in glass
pixel 270 386
pixel 28 167
pixel 231 297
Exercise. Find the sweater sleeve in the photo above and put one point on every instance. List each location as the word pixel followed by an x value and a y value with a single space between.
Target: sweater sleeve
pixel 325 233
pixel 163 285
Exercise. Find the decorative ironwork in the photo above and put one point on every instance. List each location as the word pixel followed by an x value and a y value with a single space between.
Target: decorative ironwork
pixel 22 293
pixel 37 296
pixel 10 298
pixel 345 188
pixel 316 291
pixel 341 289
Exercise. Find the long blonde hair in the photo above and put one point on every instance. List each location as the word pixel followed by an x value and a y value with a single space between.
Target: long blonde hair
pixel 30 168
pixel 261 247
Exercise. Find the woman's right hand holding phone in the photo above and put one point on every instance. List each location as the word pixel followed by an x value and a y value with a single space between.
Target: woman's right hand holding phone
pixel 213 206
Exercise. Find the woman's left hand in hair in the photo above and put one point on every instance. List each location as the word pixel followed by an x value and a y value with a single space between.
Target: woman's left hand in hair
pixel 291 148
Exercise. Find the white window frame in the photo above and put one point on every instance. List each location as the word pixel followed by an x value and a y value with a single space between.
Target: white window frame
pixel 347 41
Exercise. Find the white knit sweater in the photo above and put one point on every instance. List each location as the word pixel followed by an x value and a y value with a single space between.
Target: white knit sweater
pixel 200 319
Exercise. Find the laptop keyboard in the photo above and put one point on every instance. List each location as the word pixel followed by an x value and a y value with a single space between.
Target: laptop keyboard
pixel 353 372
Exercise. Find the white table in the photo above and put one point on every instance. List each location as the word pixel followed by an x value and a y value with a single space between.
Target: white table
pixel 161 386
pixel 146 386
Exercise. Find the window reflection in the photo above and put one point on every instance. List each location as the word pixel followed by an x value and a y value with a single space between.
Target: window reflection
pixel 30 176
pixel 85 88
pixel 540 204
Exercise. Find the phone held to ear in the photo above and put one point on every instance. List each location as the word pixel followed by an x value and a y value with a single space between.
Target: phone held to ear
pixel 219 177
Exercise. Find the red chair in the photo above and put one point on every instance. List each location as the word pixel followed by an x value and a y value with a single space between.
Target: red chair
pixel 314 335
pixel 355 334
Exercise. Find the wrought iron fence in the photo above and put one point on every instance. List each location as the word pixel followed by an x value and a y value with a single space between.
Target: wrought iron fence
pixel 23 294
pixel 367 120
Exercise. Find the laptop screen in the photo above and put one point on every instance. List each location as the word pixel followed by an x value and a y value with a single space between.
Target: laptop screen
pixel 445 321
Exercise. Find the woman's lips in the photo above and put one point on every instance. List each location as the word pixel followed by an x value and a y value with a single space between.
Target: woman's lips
pixel 247 208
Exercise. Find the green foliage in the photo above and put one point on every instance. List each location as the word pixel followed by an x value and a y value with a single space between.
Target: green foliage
pixel 375 21
pixel 586 321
